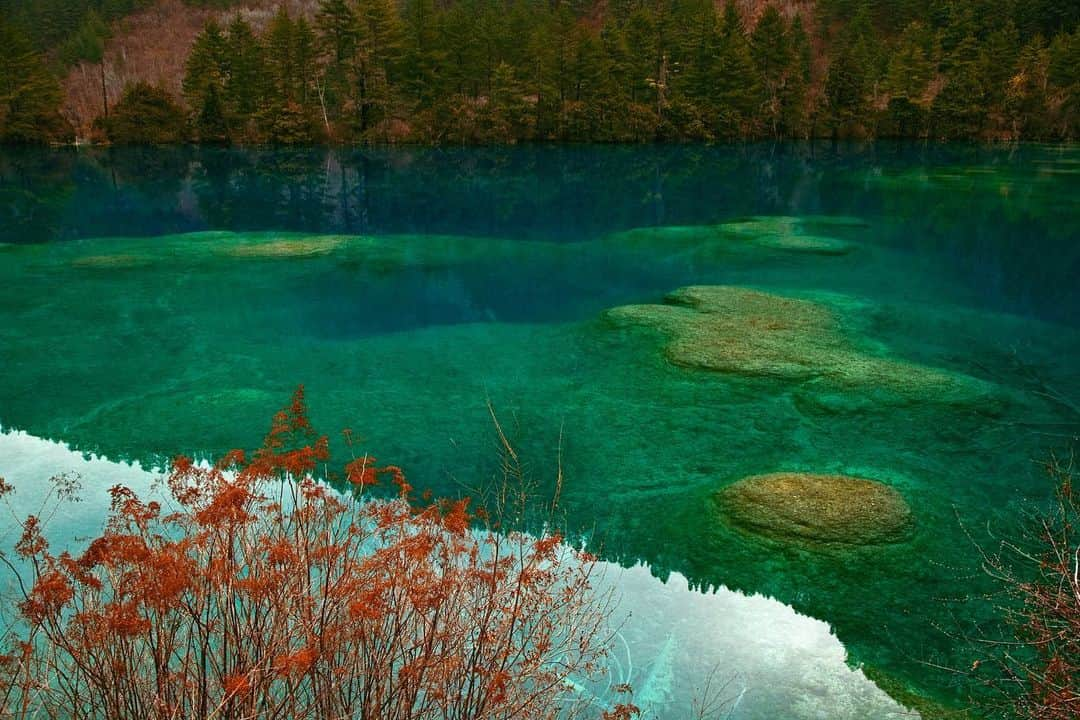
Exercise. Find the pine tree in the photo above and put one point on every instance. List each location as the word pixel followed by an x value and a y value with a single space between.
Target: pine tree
pixel 770 47
pixel 539 78
pixel 146 115
pixel 422 55
pixel 338 35
pixel 87 43
pixel 338 28
pixel 305 59
pixel 620 121
pixel 997 61
pixel 794 92
pixel 379 50
pixel 589 88
pixel 732 22
pixel 457 37
pixel 564 39
pixel 211 125
pixel 281 62
pixel 588 69
pixel 852 75
pixel 504 114
pixel 381 33
pixel 909 70
pixel 492 33
pixel 29 94
pixel 702 43
pixel 244 86
pixel 1064 79
pixel 206 64
pixel 959 109
pixel 1026 102
pixel 771 50
pixel 643 56
pixel 736 90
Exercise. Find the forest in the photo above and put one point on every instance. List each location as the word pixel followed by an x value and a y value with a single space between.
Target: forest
pixel 505 71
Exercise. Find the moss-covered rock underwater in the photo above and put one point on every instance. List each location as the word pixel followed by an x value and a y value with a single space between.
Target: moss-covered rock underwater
pixel 404 343
pixel 817 510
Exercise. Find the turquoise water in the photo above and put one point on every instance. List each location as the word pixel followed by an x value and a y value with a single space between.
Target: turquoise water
pixel 163 301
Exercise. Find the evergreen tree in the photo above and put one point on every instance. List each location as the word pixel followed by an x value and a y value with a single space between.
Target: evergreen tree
pixel 381 33
pixel 379 50
pixel 504 116
pixel 281 61
pixel 290 124
pixel 539 78
pixel 305 62
pixel 338 29
pixel 909 70
pixel 793 95
pixel 29 94
pixel 959 109
pixel 997 61
pixel 643 56
pixel 702 43
pixel 206 64
pixel 800 44
pixel 1026 100
pixel 211 125
pixel 623 70
pixel 772 53
pixel 732 23
pixel 146 115
pixel 770 47
pixel 244 86
pixel 421 56
pixel 87 43
pixel 850 81
pixel 338 34
pixel 736 91
pixel 958 26
pixel 1064 79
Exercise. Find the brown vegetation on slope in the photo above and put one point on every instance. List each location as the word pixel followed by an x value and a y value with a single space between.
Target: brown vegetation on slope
pixel 152 46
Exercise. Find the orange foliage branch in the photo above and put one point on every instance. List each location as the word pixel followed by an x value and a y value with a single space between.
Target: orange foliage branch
pixel 261 592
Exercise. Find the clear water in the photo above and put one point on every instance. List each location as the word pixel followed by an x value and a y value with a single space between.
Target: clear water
pixel 757 656
pixel 483 275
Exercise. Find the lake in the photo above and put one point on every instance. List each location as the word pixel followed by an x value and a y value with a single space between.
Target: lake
pixel 907 313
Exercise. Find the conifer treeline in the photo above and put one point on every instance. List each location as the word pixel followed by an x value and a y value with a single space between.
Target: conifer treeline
pixel 486 71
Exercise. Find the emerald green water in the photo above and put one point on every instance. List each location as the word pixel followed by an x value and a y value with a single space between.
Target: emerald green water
pixel 155 302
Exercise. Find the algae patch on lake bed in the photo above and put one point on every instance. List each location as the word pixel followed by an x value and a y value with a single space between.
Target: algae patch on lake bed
pixel 751 333
pixel 287 248
pixel 813 235
pixel 813 509
pixel 111 262
pixel 198 249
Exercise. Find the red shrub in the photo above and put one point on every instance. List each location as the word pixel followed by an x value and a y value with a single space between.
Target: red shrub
pixel 265 594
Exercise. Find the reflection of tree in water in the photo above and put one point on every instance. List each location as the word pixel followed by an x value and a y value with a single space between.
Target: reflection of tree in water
pixel 35 189
pixel 561 193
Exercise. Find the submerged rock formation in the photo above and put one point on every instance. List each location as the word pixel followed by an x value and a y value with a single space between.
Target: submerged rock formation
pixel 816 509
pixel 748 332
